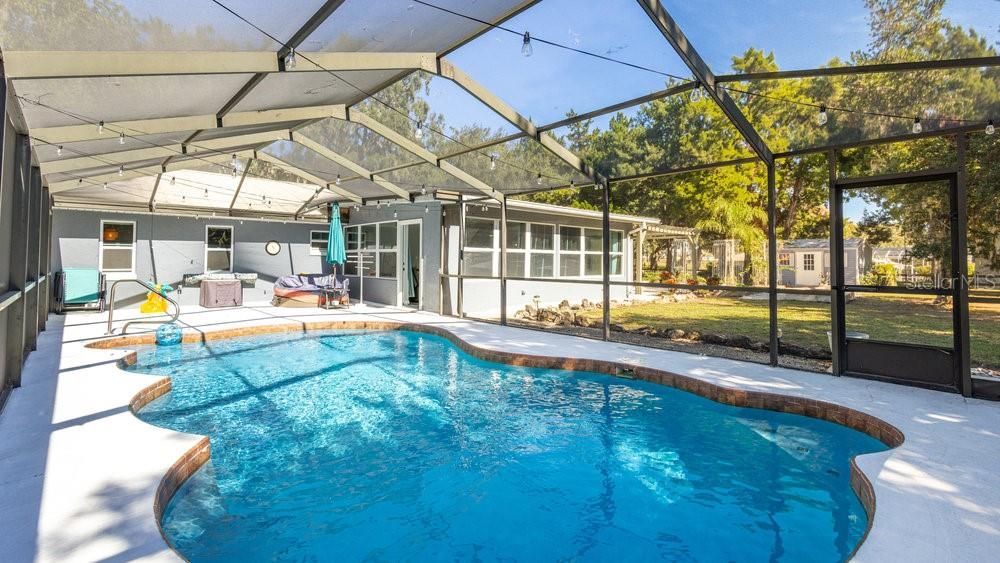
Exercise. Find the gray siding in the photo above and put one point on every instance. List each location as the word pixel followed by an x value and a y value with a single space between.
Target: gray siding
pixel 167 247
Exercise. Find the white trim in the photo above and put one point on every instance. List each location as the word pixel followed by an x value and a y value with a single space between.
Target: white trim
pixel 360 251
pixel 315 251
pixel 100 249
pixel 232 248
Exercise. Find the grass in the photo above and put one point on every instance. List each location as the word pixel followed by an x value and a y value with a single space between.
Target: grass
pixel 892 318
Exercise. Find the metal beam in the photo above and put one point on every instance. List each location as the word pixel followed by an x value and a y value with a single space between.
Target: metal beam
pixel 504 110
pixel 89 132
pixel 239 186
pixel 160 151
pixel 391 135
pixel 970 62
pixel 672 32
pixel 37 65
pixel 312 179
pixel 89 179
pixel 348 164
pixel 300 35
pixel 152 196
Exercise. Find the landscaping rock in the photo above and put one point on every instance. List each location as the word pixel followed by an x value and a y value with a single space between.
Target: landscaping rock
pixel 617 327
pixel 714 339
pixel 675 334
pixel 694 335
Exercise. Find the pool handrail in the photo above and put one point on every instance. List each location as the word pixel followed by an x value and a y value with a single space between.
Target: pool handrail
pixel 150 287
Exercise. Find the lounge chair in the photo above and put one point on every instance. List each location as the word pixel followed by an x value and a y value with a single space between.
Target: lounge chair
pixel 79 289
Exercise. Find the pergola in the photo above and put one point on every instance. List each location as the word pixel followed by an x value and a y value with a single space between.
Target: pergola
pixel 149 130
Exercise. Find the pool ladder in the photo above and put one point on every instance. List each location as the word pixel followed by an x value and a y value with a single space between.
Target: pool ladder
pixel 150 287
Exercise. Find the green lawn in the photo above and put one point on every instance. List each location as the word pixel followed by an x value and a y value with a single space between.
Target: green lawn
pixel 893 318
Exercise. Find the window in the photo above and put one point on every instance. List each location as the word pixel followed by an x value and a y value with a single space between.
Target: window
pixel 480 247
pixel 218 249
pixel 542 249
pixel 569 251
pixel 371 249
pixel 517 246
pixel 117 246
pixel 318 242
pixel 809 262
pixel 784 259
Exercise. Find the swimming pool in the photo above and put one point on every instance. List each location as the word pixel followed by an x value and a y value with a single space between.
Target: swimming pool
pixel 398 446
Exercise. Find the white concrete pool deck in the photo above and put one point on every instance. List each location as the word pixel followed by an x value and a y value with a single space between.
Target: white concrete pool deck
pixel 78 472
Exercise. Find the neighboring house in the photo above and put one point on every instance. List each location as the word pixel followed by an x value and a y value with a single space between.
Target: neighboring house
pixel 806 262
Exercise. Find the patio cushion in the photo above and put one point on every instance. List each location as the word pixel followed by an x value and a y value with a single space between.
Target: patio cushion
pixel 81 285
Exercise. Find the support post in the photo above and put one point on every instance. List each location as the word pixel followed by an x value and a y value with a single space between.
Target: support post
pixel 772 264
pixel 606 256
pixel 960 269
pixel 18 260
pixel 32 256
pixel 838 319
pixel 461 256
pixel 503 261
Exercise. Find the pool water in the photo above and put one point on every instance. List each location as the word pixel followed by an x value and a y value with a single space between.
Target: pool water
pixel 394 446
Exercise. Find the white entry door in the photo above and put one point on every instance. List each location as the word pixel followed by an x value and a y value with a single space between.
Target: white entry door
pixel 809 268
pixel 410 285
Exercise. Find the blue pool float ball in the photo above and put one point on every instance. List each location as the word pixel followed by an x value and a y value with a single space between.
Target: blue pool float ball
pixel 168 334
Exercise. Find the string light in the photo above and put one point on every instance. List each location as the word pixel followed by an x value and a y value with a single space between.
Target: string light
pixel 173 180
pixel 917 127
pixel 234 162
pixel 206 193
pixel 290 61
pixel 990 129
pixel 419 133
pixel 526 48
pixel 100 128
pixel 59 149
pixel 538 180
pixel 121 138
pixel 337 181
pixel 493 162
pixel 423 189
pixel 395 214
pixel 105 185
pixel 121 169
pixel 427 209
pixel 821 117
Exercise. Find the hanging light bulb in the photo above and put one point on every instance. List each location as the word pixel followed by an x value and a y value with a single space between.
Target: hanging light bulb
pixel 233 162
pixel 572 184
pixel 917 127
pixel 100 128
pixel 395 214
pixel 121 169
pixel 290 61
pixel 493 162
pixel 337 181
pixel 357 208
pixel 79 181
pixel 526 49
pixel 105 185
pixel 206 193
pixel 173 180
pixel 59 149
pixel 538 180
pixel 423 189
pixel 821 117
pixel 990 129
pixel 419 132
pixel 427 209
pixel 269 203
pixel 697 93
pixel 184 198
pixel 484 208
pixel 121 138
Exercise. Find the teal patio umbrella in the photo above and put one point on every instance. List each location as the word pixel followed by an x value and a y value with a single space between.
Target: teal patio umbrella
pixel 335 251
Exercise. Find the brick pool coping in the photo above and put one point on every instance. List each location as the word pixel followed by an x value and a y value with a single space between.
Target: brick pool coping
pixel 200 453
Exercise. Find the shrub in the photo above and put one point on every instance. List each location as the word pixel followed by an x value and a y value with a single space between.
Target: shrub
pixel 667 277
pixel 696 281
pixel 884 274
pixel 714 280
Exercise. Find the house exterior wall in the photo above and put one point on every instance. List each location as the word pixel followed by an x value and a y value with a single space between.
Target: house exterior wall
pixel 385 290
pixel 481 297
pixel 167 247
